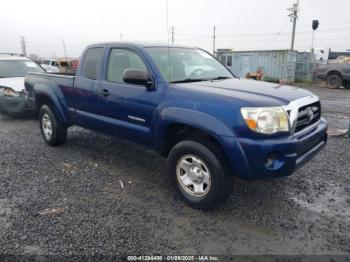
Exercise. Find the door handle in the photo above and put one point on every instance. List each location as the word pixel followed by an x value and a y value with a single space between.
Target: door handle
pixel 105 93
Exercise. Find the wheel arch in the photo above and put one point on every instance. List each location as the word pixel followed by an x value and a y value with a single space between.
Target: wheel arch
pixel 176 132
pixel 335 72
pixel 54 99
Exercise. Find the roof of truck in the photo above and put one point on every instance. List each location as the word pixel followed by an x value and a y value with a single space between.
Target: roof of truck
pixel 141 44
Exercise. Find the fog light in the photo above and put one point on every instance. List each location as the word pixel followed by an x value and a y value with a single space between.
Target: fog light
pixel 270 161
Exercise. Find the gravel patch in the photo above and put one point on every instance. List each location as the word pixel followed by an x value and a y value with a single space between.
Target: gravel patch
pixel 98 195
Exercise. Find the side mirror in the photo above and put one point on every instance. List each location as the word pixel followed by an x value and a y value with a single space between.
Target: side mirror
pixel 137 77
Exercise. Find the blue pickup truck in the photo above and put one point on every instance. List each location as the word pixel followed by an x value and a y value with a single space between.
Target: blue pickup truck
pixel 183 103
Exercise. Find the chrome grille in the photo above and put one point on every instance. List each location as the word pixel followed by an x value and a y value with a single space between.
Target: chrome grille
pixel 303 113
pixel 307 116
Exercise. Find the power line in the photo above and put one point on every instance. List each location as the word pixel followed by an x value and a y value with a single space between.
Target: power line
pixel 260 34
pixel 254 28
pixel 278 34
pixel 199 37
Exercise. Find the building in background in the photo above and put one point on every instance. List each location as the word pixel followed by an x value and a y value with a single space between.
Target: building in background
pixel 283 66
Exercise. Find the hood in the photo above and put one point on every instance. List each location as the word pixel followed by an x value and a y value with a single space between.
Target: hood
pixel 251 91
pixel 16 83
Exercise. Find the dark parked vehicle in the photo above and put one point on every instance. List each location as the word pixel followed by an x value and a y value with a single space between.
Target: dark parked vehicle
pixel 335 75
pixel 183 103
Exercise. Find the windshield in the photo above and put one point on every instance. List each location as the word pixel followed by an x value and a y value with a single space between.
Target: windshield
pixel 18 68
pixel 187 64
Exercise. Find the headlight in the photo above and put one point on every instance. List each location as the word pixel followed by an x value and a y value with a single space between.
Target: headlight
pixel 266 120
pixel 8 91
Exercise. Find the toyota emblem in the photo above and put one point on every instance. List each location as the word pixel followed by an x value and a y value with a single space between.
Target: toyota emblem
pixel 310 114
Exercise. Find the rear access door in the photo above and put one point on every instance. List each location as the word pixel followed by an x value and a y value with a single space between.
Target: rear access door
pixel 88 102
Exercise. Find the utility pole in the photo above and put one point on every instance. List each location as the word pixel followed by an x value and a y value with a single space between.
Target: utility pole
pixel 293 17
pixel 172 35
pixel 64 48
pixel 214 38
pixel 23 45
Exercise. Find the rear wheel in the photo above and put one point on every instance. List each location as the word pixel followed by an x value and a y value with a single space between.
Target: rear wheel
pixel 334 81
pixel 199 175
pixel 53 132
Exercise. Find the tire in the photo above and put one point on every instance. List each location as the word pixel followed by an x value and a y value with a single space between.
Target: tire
pixel 208 158
pixel 346 84
pixel 334 81
pixel 48 122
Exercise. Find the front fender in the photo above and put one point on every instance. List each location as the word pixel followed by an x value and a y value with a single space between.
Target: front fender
pixel 53 96
pixel 209 124
pixel 191 118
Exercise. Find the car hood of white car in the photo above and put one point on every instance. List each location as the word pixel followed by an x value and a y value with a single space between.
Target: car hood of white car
pixel 16 83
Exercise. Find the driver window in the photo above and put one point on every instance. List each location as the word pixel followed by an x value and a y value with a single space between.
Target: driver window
pixel 121 60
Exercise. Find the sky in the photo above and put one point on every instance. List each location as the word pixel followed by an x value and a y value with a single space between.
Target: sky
pixel 240 24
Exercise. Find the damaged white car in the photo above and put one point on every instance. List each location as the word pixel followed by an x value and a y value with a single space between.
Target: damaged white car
pixel 13 96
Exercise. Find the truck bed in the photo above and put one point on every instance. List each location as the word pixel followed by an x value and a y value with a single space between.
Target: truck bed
pixel 63 74
pixel 60 80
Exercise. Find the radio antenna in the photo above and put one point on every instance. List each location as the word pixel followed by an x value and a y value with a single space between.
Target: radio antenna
pixel 167 20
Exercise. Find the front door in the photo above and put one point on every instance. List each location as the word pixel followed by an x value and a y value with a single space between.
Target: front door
pixel 128 108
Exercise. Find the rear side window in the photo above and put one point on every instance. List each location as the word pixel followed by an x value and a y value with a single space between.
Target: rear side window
pixel 92 62
pixel 121 60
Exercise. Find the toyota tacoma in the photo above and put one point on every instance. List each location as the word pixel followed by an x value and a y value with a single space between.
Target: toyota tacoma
pixel 183 103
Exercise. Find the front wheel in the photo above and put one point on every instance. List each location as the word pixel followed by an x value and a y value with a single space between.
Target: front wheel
pixel 53 132
pixel 198 175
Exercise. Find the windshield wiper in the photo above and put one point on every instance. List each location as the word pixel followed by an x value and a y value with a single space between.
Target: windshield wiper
pixel 221 78
pixel 188 80
pixel 10 76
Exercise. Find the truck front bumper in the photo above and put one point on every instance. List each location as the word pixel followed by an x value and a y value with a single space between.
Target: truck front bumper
pixel 277 157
